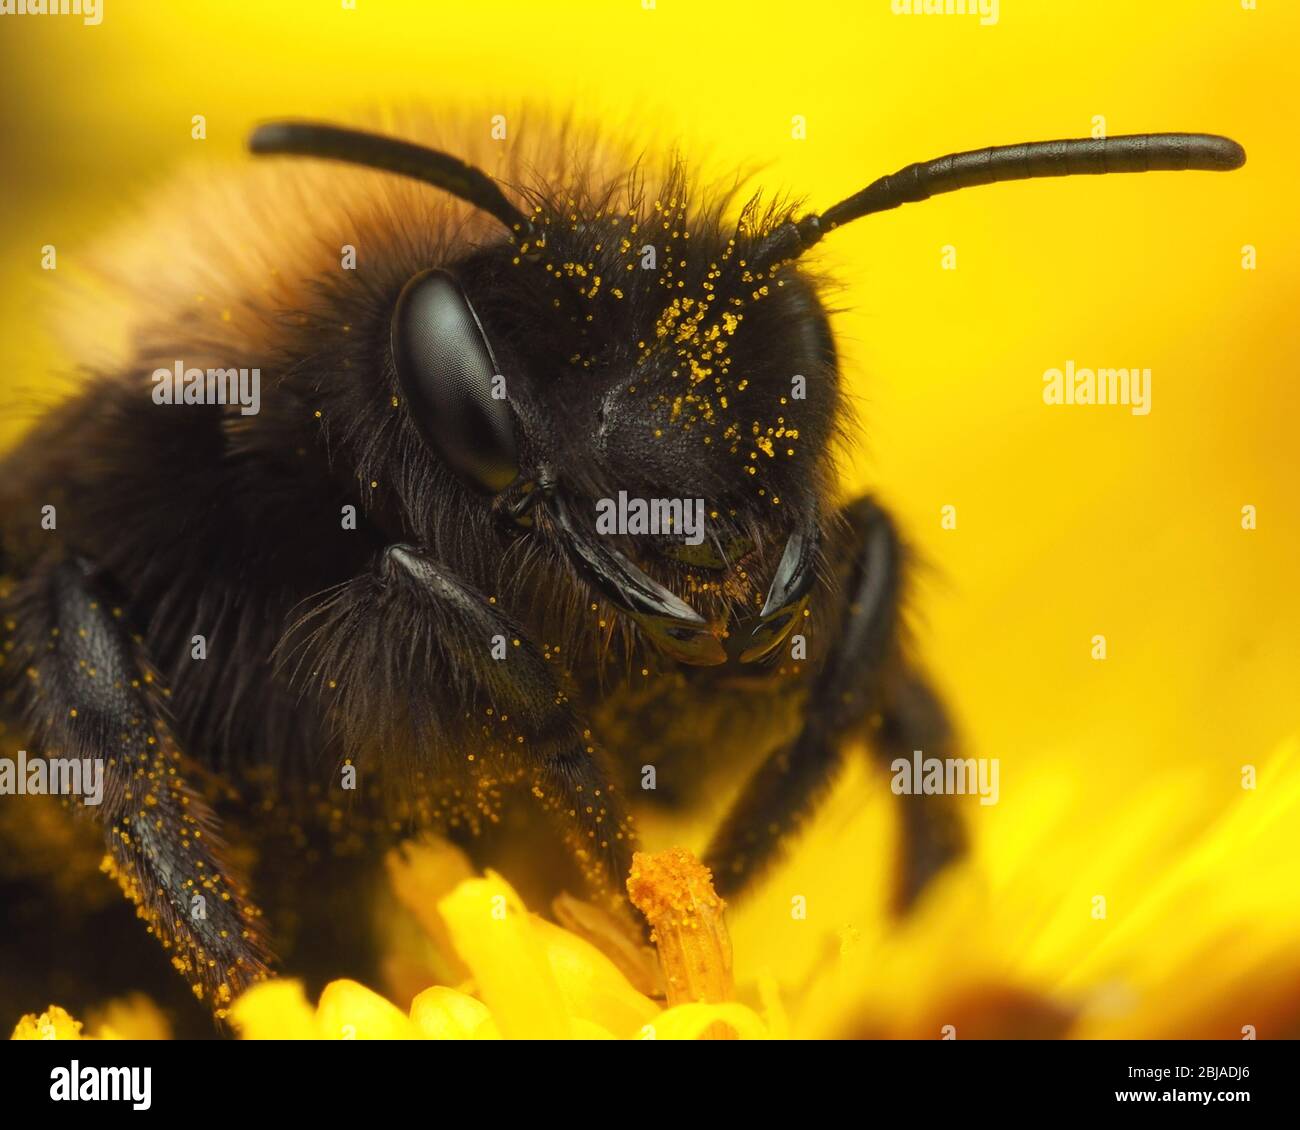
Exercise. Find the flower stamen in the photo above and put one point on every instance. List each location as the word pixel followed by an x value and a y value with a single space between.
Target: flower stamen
pixel 674 891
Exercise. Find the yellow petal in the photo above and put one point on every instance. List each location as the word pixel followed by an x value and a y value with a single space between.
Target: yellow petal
pixel 420 872
pixel 592 986
pixel 616 937
pixel 444 1014
pixel 495 936
pixel 52 1024
pixel 586 1030
pixel 350 1011
pixel 135 1017
pixel 692 1021
pixel 774 1014
pixel 274 1010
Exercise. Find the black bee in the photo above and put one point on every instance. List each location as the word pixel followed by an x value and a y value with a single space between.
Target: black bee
pixel 393 568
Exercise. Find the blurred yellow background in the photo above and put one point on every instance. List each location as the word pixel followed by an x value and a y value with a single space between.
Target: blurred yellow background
pixel 1071 521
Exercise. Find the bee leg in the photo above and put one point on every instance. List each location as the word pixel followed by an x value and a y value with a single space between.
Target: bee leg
pixel 416 615
pixel 863 688
pixel 931 834
pixel 90 694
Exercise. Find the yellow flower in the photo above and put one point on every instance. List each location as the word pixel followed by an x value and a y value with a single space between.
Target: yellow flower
pixel 52 1024
pixel 135 1017
pixel 129 1018
pixel 530 979
pixel 1164 913
pixel 1166 909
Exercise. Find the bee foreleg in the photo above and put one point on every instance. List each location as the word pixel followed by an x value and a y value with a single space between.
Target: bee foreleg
pixel 421 666
pixel 91 698
pixel 863 687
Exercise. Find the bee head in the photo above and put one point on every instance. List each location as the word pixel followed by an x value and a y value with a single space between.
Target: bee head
pixel 663 400
pixel 655 354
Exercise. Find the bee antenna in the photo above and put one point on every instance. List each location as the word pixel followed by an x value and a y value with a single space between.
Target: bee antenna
pixel 1138 153
pixel 375 151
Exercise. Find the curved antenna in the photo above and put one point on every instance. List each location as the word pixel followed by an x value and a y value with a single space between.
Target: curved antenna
pixel 1138 153
pixel 375 151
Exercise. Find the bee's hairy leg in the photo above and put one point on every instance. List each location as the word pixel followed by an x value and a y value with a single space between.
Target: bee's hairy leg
pixel 87 691
pixel 911 718
pixel 415 618
pixel 863 688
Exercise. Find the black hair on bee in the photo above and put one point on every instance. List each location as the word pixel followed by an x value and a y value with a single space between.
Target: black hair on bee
pixel 398 562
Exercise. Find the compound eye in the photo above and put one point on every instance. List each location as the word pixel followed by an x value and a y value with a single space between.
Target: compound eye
pixel 448 374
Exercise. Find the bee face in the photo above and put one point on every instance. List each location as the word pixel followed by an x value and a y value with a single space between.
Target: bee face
pixel 663 371
pixel 618 344
pixel 579 367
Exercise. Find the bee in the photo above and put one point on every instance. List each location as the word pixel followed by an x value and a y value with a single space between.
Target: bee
pixel 388 564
